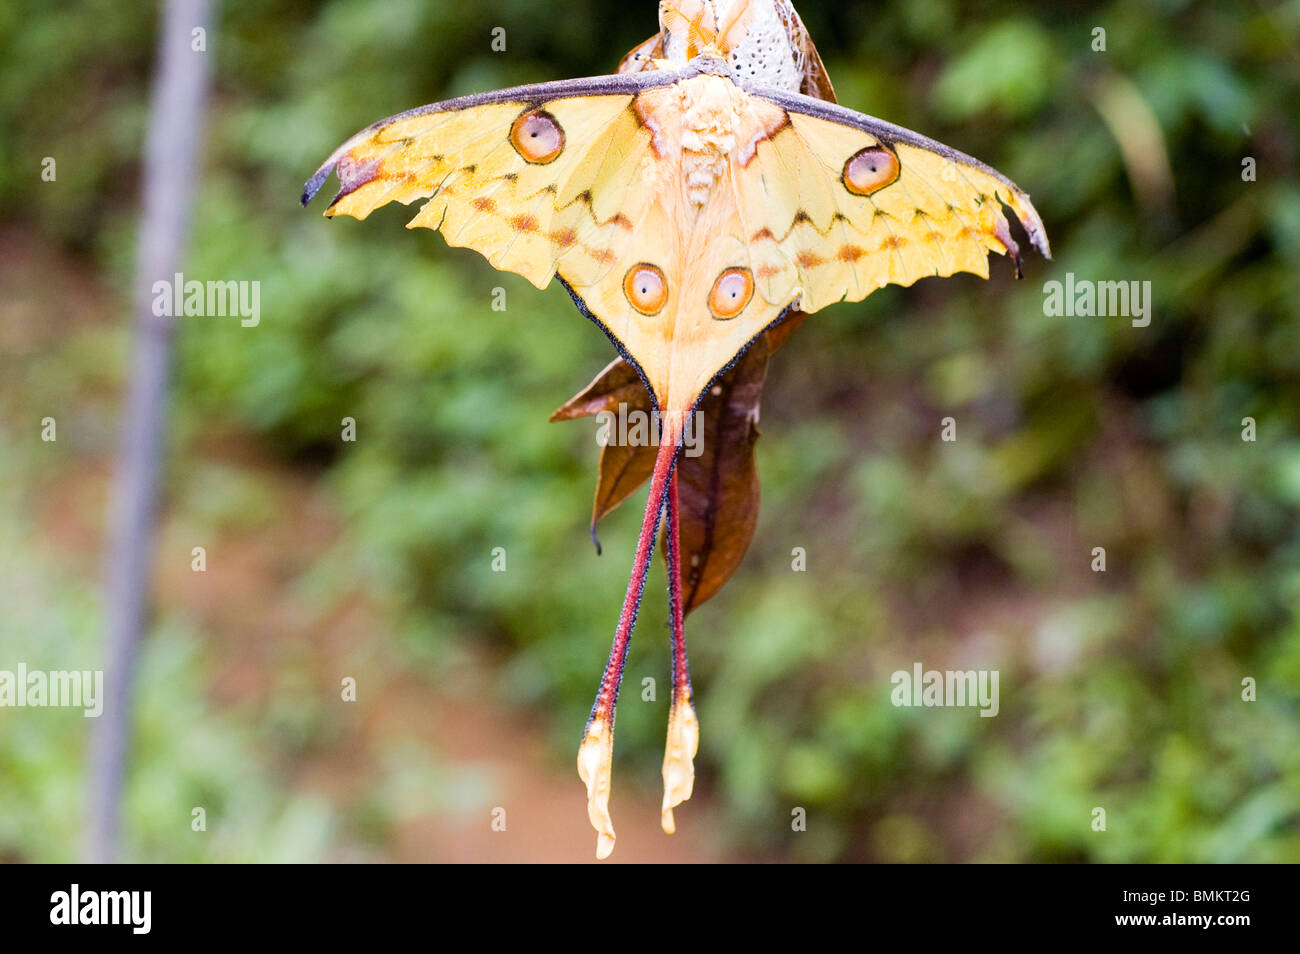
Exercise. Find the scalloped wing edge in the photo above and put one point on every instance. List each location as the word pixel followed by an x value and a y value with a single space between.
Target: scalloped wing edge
pixel 352 176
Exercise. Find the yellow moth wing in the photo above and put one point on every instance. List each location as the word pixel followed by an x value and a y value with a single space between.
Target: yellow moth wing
pixel 524 213
pixel 599 181
pixel 941 214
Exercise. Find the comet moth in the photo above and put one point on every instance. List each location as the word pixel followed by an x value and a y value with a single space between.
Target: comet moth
pixel 690 204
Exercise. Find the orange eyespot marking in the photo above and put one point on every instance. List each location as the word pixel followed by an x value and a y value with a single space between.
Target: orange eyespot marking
pixel 870 170
pixel 646 288
pixel 537 137
pixel 731 293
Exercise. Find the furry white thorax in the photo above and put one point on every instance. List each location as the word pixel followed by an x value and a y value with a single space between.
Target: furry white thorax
pixel 758 42
pixel 708 137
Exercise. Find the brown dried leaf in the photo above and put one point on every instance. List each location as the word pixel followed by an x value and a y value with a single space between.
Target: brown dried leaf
pixel 718 490
pixel 618 389
pixel 617 384
pixel 816 81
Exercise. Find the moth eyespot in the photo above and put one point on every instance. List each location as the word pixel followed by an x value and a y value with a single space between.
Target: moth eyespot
pixel 646 288
pixel 537 137
pixel 731 293
pixel 870 170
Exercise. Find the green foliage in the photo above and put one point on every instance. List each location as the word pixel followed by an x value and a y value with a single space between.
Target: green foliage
pixel 1119 690
pixel 185 755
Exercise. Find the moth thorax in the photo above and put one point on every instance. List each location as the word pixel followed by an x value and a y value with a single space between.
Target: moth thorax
pixel 708 138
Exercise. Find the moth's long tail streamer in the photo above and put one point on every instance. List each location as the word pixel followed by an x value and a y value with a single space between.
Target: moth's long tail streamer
pixel 683 727
pixel 596 753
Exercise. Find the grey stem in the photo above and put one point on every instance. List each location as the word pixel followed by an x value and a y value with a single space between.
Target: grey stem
pixel 171 154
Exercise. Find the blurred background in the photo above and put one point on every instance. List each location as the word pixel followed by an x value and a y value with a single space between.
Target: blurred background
pixel 373 559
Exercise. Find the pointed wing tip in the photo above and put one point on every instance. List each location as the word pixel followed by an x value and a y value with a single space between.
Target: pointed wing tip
pixel 1039 241
pixel 317 180
pixel 1016 200
pixel 595 539
pixel 1032 223
pixel 352 173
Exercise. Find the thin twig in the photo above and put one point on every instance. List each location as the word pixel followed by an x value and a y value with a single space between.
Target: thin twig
pixel 170 160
